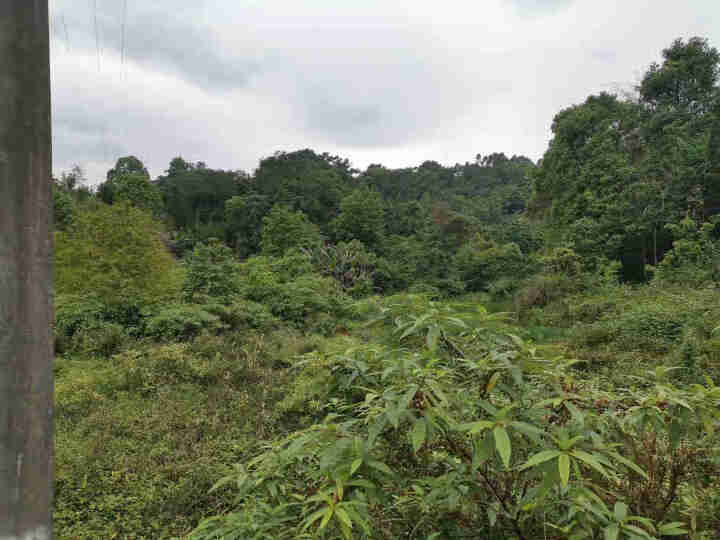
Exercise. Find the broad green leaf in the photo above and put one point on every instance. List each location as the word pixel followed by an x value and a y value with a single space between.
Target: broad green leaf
pixel 629 464
pixel 564 469
pixel 476 427
pixel 357 518
pixel 432 337
pixel 672 529
pixel 458 322
pixel 590 460
pixel 313 518
pixel 531 431
pixel 620 511
pixel 637 530
pixel 419 431
pixel 493 381
pixel 538 458
pixel 356 464
pixel 408 397
pixel 502 443
pixel 492 516
pixel 326 518
pixel 393 415
pixel 380 466
pixel 612 531
pixel 343 517
pixel 361 482
pixel 376 429
pixel 482 451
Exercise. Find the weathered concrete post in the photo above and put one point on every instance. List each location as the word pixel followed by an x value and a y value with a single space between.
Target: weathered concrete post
pixel 26 275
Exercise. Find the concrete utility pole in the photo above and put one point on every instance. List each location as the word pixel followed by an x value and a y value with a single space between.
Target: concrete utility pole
pixel 26 276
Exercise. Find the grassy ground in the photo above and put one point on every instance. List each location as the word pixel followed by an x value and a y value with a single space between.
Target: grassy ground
pixel 142 434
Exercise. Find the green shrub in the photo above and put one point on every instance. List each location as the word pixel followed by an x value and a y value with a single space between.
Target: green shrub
pixel 211 273
pixel 74 312
pixel 180 322
pixel 244 313
pixel 456 428
pixel 481 261
pixel 351 264
pixel 284 229
pixel 309 294
pixel 116 255
pixel 650 328
pixel 695 256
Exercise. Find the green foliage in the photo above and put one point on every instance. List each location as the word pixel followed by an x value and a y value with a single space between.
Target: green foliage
pixel 244 215
pixel 115 254
pixel 447 430
pixel 351 264
pixel 617 172
pixel 311 183
pixel 195 197
pixel 88 326
pixel 482 261
pixel 128 165
pixel 284 229
pixel 140 439
pixel 687 77
pixel 695 255
pixel 211 273
pixel 136 189
pixel 243 313
pixel 361 217
pixel 291 291
pixel 180 322
pixel 63 207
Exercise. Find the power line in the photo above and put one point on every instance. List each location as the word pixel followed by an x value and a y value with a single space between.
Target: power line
pixel 67 36
pixel 97 37
pixel 122 39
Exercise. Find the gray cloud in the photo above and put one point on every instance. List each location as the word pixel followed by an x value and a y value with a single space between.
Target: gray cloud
pixel 171 40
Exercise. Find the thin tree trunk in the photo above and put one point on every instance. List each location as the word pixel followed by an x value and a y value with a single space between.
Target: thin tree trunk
pixel 26 351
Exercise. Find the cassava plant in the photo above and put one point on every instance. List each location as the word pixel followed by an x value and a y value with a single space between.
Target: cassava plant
pixel 454 427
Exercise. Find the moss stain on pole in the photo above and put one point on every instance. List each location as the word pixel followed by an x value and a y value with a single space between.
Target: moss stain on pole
pixel 26 379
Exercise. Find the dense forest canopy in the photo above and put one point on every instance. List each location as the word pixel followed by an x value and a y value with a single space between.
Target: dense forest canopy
pixel 493 349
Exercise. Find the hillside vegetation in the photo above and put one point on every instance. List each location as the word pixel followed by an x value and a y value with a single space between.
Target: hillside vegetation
pixel 498 349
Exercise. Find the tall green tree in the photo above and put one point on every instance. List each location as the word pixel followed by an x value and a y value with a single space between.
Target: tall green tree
pixel 303 180
pixel 687 77
pixel 361 217
pixel 244 218
pixel 284 229
pixel 195 196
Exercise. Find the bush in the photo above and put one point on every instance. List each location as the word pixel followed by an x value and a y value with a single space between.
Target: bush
pixel 73 313
pixel 284 229
pixel 181 322
pixel 211 273
pixel 351 264
pixel 694 258
pixel 481 261
pixel 307 295
pixel 87 326
pixel 116 255
pixel 650 328
pixel 454 428
pixel 243 313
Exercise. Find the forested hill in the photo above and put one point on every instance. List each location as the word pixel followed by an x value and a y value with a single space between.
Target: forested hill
pixel 617 172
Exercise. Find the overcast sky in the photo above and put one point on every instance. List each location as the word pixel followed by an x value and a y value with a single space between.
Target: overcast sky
pixel 377 81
